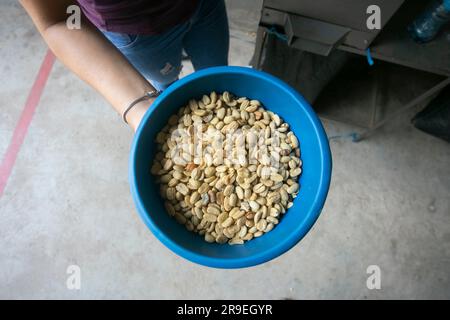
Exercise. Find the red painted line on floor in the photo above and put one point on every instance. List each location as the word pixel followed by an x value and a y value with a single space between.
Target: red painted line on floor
pixel 25 119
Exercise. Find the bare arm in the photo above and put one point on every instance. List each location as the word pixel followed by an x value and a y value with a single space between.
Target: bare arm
pixel 91 56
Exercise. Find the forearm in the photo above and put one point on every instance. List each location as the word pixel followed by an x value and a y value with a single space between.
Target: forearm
pixel 94 59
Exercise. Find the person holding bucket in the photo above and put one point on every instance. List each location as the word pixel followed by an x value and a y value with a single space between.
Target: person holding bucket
pixel 130 50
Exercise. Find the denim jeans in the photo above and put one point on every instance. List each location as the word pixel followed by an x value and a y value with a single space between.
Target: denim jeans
pixel 204 37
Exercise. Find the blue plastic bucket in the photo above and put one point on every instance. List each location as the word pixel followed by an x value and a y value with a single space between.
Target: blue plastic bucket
pixel 276 96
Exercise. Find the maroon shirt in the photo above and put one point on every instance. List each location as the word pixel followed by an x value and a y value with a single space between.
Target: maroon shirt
pixel 137 16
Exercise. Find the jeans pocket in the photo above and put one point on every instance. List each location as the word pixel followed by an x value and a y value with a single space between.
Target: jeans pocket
pixel 121 40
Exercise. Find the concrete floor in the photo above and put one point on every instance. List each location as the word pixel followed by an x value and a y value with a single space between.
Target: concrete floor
pixel 67 202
